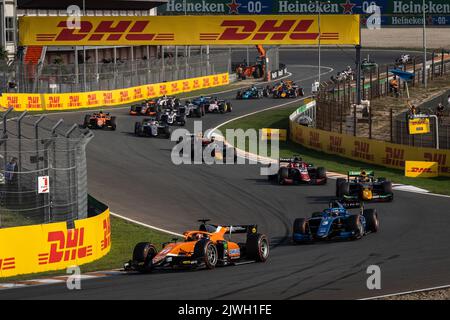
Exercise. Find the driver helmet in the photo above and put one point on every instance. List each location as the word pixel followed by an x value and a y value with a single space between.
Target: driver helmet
pixel 334 213
pixel 213 138
pixel 199 236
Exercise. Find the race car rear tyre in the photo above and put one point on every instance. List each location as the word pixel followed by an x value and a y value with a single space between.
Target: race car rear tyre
pixel 137 127
pixel 283 174
pixel 343 189
pixel 230 108
pixel 143 253
pixel 300 227
pixel 372 222
pixel 257 247
pixel 198 112
pixel 87 119
pixel 353 224
pixel 238 95
pixel 113 123
pixel 321 173
pixel 387 187
pixel 338 183
pixel 167 132
pixel 206 251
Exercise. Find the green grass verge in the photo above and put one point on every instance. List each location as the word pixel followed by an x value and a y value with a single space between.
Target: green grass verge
pixel 124 236
pixel 279 118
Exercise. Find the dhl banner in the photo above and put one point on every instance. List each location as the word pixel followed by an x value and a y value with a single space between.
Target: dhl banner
pixel 67 101
pixel 421 169
pixel 270 134
pixel 366 150
pixel 46 247
pixel 419 125
pixel 190 30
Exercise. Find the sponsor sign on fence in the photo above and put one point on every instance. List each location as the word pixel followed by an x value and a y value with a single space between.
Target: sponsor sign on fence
pixel 67 101
pixel 419 125
pixel 366 150
pixel 46 247
pixel 421 169
pixel 202 30
pixel 271 134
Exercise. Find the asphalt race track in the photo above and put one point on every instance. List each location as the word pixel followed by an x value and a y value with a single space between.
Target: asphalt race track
pixel 136 178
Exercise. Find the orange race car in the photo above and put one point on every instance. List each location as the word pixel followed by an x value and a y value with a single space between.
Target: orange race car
pixel 146 108
pixel 208 247
pixel 100 120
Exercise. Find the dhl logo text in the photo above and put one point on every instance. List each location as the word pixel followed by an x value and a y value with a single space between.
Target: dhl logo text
pixel 7 263
pixel 275 30
pixel 65 248
pixel 106 242
pixel 105 30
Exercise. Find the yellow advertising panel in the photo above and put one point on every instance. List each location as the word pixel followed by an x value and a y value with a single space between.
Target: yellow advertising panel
pixel 45 247
pixel 271 134
pixel 77 100
pixel 419 125
pixel 191 30
pixel 422 169
pixel 366 150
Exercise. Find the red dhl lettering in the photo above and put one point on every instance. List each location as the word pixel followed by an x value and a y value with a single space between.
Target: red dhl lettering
pixel 67 248
pixel 106 242
pixel 206 82
pixel 162 89
pixel 108 97
pixel 215 80
pixel 124 96
pixel 151 91
pixel 270 29
pixel 54 102
pixel 92 99
pixel 394 157
pixel 105 30
pixel 74 101
pixel 420 170
pixel 7 263
pixel 186 85
pixel 196 84
pixel 175 87
pixel 33 103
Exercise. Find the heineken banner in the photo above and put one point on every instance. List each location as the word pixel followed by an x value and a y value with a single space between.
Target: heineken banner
pixel 389 7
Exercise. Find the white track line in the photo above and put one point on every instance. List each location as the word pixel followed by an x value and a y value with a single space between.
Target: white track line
pixel 407 292
pixel 146 225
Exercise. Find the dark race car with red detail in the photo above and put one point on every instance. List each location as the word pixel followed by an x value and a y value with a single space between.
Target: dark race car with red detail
pixel 296 171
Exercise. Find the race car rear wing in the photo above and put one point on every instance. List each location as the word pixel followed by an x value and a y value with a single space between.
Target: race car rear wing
pixel 353 173
pixel 248 229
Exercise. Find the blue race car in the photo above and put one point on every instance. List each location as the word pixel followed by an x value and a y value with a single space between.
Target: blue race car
pixel 335 223
pixel 252 93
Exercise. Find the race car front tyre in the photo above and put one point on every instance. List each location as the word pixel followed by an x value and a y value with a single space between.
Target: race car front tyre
pixel 372 222
pixel 137 128
pixel 257 247
pixel 167 132
pixel 87 119
pixel 300 227
pixel 283 174
pixel 206 251
pixel 343 189
pixel 338 183
pixel 230 108
pixel 354 225
pixel 143 253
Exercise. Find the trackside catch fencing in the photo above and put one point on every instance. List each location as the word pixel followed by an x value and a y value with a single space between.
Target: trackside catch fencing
pixel 337 110
pixel 363 149
pixel 43 176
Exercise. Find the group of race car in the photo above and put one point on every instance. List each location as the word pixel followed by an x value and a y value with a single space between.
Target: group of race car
pixel 210 245
pixel 285 89
pixel 336 221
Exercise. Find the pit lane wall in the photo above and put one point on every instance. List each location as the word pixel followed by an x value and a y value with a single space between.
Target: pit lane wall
pixel 110 98
pixel 366 150
pixel 53 246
